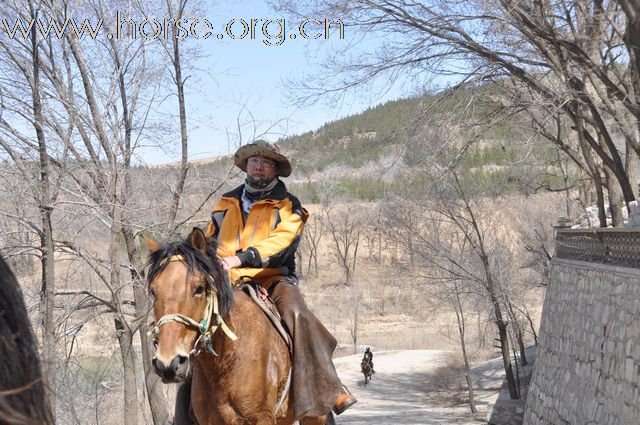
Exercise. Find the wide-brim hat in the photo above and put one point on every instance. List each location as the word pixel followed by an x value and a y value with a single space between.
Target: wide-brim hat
pixel 266 149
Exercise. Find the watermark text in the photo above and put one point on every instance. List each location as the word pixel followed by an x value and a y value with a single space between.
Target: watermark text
pixel 272 32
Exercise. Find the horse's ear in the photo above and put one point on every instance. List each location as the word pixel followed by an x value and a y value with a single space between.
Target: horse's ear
pixel 198 240
pixel 152 246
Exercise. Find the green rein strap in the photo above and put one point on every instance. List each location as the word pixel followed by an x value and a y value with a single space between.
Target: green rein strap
pixel 204 327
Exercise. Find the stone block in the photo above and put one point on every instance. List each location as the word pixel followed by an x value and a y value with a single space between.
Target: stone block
pixel 628 369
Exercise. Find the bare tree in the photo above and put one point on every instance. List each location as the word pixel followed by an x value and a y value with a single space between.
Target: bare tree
pixel 345 225
pixel 569 53
pixel 354 297
pixel 311 238
pixel 453 241
pixel 457 304
pixel 443 261
pixel 463 215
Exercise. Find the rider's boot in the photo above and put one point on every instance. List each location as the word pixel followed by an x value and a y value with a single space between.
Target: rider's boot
pixel 344 401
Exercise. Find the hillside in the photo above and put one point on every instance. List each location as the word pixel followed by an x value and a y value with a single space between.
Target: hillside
pixel 369 154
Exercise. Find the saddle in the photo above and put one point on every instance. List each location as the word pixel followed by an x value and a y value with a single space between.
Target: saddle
pixel 260 296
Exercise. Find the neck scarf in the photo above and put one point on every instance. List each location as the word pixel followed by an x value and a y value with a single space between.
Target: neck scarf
pixel 252 194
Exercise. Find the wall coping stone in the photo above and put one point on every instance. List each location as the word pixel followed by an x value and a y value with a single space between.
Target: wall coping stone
pixel 587 265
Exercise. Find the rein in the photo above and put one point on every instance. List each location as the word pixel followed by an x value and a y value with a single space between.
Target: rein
pixel 206 327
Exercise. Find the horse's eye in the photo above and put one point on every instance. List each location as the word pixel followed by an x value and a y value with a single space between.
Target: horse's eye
pixel 152 293
pixel 200 290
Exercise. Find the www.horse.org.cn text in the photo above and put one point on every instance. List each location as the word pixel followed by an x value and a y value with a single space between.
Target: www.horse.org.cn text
pixel 271 32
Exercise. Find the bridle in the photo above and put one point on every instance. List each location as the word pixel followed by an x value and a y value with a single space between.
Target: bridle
pixel 206 327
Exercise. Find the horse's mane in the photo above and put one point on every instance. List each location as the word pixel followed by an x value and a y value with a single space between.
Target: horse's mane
pixel 23 399
pixel 196 260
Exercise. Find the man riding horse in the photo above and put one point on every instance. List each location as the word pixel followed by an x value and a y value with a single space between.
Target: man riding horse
pixel 258 227
pixel 368 358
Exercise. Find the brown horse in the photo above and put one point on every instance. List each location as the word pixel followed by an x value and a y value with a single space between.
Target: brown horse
pixel 367 369
pixel 243 380
pixel 23 399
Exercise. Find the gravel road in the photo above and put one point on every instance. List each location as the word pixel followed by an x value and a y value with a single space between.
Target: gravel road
pixel 408 389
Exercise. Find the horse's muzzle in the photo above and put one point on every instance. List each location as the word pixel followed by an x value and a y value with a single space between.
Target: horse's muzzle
pixel 176 371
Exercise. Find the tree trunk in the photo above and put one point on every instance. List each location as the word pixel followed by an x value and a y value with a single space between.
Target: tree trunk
pixel 565 180
pixel 631 165
pixel 157 401
pixel 517 330
pixel 380 246
pixel 593 168
pixel 506 355
pixel 614 191
pixel 467 368
pixel 355 255
pixel 310 260
pixel 502 329
pixel 515 362
pixel 123 332
pixel 491 288
pixel 125 339
pixel 299 261
pixel 586 183
pixel 523 355
pixel 47 295
pixel 502 333
pixel 632 42
pixel 46 236
pixel 602 213
pixel 533 329
pixel 615 199
pixel 179 81
pixel 356 318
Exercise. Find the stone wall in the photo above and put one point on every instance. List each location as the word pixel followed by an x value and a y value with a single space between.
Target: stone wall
pixel 588 366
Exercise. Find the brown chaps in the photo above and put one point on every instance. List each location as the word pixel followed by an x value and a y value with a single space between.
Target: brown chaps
pixel 315 385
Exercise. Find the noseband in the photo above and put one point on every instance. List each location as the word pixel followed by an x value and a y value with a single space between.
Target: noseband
pixel 206 327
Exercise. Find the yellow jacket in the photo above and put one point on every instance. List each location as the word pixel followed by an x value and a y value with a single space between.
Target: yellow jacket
pixel 265 239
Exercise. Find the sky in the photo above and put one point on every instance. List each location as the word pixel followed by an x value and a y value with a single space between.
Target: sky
pixel 242 81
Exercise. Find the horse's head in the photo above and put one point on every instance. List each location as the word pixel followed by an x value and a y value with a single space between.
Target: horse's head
pixel 181 277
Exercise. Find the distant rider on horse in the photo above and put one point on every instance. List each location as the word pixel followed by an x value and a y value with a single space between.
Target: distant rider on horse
pixel 368 357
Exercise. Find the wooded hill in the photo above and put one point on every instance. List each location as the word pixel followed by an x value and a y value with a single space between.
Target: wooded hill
pixel 365 155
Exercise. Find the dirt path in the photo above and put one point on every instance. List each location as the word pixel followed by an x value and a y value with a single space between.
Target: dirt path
pixel 408 389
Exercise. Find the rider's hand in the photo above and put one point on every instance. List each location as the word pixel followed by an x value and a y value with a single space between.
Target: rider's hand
pixel 230 262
